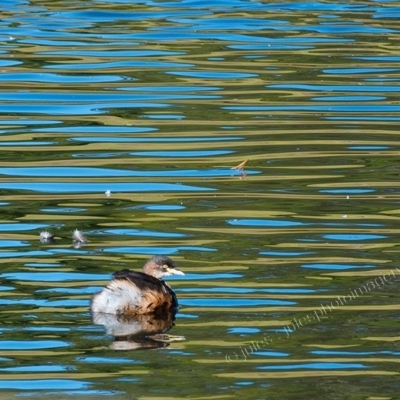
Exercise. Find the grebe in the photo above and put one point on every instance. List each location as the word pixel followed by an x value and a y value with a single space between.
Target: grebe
pixel 130 292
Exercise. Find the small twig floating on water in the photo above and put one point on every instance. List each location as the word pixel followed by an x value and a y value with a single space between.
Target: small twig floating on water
pixel 240 169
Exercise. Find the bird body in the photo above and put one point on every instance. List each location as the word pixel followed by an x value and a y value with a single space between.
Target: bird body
pixel 131 292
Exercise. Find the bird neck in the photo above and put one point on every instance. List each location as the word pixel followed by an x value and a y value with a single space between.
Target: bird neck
pixel 150 270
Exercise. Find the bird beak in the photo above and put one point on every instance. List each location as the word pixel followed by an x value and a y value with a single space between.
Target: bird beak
pixel 175 271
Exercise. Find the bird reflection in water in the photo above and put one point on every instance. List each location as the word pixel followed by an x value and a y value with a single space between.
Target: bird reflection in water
pixel 141 331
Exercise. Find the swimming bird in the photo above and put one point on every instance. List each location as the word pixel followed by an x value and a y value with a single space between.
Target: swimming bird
pixel 131 292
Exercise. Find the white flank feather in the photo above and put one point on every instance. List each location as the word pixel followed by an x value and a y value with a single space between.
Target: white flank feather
pixel 116 297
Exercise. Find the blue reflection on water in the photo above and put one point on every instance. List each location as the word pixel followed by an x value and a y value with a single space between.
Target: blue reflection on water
pixel 32 344
pixel 358 70
pixel 113 53
pixel 155 250
pixel 108 172
pixel 53 108
pixel 160 88
pixel 83 290
pixel 221 302
pixel 44 384
pixel 76 187
pixel 317 366
pixel 190 276
pixel 42 265
pixel 272 46
pixel 368 147
pixel 14 254
pixel 271 354
pixel 157 207
pixel 98 129
pixel 121 64
pixel 183 153
pixel 100 139
pixel 264 222
pixel 165 116
pixel 245 290
pixel 12 243
pixel 347 191
pixel 338 88
pixel 286 253
pixel 63 210
pixel 6 288
pixel 20 226
pixel 375 108
pixel 336 266
pixel 243 330
pixel 353 236
pixel 353 353
pixel 213 74
pixel 46 329
pixel 77 276
pixel 45 303
pixel 30 143
pixel 141 232
pixel 349 98
pixel 53 276
pixel 8 63
pixel 52 78
pixel 363 118
pixel 39 368
pixel 107 360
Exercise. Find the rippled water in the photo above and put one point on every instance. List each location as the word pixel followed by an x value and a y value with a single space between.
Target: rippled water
pixel 291 285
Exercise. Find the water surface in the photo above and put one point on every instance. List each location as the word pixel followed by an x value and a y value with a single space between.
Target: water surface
pixel 126 119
